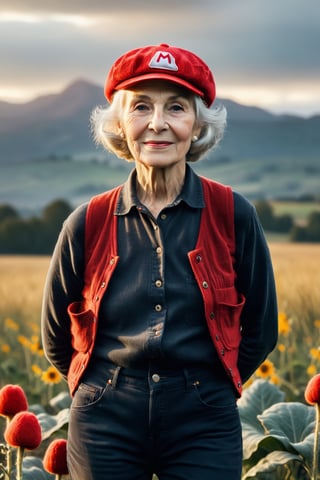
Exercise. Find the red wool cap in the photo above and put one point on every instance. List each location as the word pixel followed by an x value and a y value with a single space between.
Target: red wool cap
pixel 162 62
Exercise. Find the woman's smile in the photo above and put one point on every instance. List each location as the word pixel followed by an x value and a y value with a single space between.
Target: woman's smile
pixel 157 144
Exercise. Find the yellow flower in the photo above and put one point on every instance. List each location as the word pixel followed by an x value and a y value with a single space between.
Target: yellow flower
pixel 283 324
pixel 11 324
pixel 51 376
pixel 311 370
pixel 248 383
pixel 5 348
pixel 315 353
pixel 23 340
pixel 36 370
pixel 317 323
pixel 275 379
pixel 281 347
pixel 266 369
pixel 34 327
pixel 35 346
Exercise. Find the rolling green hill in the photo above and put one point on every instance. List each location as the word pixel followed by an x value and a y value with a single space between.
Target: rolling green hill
pixel 46 152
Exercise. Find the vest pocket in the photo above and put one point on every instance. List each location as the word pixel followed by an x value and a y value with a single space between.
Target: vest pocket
pixel 228 307
pixel 82 322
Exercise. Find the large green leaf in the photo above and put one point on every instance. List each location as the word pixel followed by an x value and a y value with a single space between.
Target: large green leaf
pixel 60 401
pixel 32 469
pixel 293 425
pixel 255 399
pixel 278 466
pixel 52 423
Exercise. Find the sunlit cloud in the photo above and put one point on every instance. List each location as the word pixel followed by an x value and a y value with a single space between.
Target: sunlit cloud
pixel 305 101
pixel 16 17
pixel 76 20
pixel 260 60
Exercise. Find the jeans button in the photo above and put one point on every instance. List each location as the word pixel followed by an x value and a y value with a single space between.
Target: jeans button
pixel 156 378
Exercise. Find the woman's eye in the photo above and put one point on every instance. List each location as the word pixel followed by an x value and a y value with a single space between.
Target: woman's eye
pixel 176 107
pixel 141 107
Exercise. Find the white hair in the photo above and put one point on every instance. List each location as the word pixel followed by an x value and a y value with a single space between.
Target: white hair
pixel 105 125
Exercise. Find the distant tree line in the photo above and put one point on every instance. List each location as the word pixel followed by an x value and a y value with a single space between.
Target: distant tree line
pixel 35 235
pixel 38 235
pixel 310 232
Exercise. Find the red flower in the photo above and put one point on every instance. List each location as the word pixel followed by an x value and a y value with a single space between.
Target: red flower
pixel 312 391
pixel 23 431
pixel 12 400
pixel 55 458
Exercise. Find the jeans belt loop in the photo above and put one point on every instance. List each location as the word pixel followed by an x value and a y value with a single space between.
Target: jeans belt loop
pixel 115 377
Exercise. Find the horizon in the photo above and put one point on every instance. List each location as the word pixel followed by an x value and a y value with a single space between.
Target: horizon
pixel 90 82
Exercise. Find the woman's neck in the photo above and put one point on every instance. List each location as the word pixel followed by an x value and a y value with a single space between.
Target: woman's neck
pixel 159 187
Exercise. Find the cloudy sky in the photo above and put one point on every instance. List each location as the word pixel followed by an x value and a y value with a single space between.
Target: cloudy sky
pixel 262 52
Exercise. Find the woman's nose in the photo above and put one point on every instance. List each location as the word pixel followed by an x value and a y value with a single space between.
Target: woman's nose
pixel 158 121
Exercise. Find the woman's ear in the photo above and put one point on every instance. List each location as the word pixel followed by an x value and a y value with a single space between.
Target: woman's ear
pixel 196 134
pixel 120 131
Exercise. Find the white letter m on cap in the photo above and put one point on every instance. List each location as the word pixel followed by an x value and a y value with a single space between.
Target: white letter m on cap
pixel 164 60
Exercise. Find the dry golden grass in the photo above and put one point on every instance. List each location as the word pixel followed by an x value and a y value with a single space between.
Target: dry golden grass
pixel 296 266
pixel 297 273
pixel 21 286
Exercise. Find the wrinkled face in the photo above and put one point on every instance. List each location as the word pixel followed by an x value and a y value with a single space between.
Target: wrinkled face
pixel 158 122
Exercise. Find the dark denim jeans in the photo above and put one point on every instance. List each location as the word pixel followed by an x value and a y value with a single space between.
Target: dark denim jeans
pixel 181 425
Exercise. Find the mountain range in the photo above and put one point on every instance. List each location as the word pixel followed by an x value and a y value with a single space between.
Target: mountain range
pixel 262 155
pixel 58 124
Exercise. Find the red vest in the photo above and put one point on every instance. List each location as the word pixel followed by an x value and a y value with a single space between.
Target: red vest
pixel 212 262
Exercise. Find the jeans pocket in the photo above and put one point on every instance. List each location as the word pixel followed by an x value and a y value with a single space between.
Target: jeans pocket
pixel 214 395
pixel 87 395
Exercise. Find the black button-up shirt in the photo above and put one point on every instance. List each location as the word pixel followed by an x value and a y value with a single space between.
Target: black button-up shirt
pixel 153 309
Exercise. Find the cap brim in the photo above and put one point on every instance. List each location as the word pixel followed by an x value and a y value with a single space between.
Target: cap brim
pixel 130 82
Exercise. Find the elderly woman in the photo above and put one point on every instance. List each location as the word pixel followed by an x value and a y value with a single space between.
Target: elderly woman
pixel 160 298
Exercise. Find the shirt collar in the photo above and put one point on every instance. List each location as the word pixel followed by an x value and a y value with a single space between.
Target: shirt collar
pixel 191 193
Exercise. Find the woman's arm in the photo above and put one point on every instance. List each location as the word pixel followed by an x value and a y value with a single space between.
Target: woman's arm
pixel 255 280
pixel 63 285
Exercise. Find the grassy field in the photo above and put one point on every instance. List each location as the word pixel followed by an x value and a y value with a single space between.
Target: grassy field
pixel 297 271
pixel 21 285
pixel 30 186
pixel 298 210
pixel 22 279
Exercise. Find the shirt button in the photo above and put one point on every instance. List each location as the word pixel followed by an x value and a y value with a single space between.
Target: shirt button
pixel 158 308
pixel 158 249
pixel 158 283
pixel 163 216
pixel 205 284
pixel 156 378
